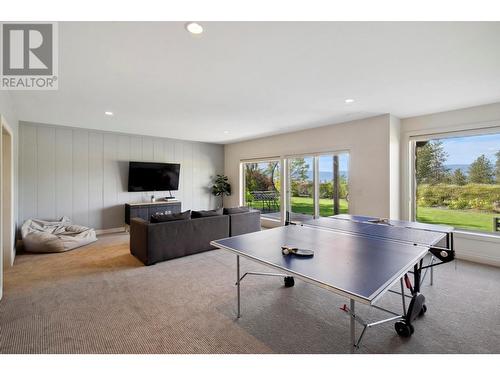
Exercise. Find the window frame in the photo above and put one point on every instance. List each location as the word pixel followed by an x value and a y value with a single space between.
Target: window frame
pixel 316 182
pixel 242 200
pixel 444 134
pixel 315 187
pixel 285 178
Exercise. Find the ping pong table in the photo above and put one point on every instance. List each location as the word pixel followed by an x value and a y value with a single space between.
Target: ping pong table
pixel 355 257
pixel 446 229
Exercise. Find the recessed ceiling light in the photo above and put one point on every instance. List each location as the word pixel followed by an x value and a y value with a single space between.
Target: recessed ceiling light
pixel 226 131
pixel 349 101
pixel 194 28
pixel 109 113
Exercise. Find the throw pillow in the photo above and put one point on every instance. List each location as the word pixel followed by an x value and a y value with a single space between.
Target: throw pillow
pixel 162 218
pixel 207 213
pixel 236 210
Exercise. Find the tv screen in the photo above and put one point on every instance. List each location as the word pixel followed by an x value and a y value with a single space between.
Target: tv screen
pixel 144 176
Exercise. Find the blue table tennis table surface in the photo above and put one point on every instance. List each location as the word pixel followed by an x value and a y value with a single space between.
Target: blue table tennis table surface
pixel 398 223
pixel 357 266
pixel 414 234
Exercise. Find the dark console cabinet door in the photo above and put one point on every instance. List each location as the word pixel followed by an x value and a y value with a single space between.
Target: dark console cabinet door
pixel 144 211
pixel 165 209
pixel 141 212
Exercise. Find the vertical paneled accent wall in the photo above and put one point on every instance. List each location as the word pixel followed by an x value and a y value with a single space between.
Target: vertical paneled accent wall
pixel 83 174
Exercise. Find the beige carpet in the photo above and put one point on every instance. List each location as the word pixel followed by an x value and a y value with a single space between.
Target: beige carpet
pixel 100 299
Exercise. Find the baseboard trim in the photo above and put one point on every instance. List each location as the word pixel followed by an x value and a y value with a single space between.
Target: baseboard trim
pixel 491 261
pixel 269 223
pixel 110 230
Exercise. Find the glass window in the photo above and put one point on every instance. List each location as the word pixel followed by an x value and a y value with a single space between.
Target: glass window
pixel 458 182
pixel 262 183
pixel 318 186
pixel 333 184
pixel 301 188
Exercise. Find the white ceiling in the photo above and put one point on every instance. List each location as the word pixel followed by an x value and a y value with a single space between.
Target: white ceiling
pixel 251 79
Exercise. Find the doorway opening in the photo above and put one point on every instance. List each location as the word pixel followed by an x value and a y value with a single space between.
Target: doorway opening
pixel 6 196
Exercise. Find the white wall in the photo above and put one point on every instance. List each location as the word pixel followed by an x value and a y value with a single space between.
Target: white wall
pixel 366 140
pixel 7 111
pixel 480 248
pixel 395 167
pixel 83 173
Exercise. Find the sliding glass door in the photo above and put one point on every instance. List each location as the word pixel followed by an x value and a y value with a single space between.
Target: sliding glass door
pixel 262 187
pixel 301 188
pixel 318 186
pixel 333 187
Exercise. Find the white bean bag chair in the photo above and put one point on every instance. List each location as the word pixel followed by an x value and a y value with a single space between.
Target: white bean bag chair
pixel 43 236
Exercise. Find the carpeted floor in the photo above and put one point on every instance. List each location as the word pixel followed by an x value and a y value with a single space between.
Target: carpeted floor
pixel 100 299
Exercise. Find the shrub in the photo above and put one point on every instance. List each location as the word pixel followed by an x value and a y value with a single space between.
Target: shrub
pixel 480 204
pixel 248 197
pixel 326 190
pixel 458 204
pixel 302 188
pixel 435 195
pixel 478 196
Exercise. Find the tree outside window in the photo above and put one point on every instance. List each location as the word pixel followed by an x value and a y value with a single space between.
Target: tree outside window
pixel 458 181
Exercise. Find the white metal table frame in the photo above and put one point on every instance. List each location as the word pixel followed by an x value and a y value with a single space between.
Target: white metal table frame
pixel 351 310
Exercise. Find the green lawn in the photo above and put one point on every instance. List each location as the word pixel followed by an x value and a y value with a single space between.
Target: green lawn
pixel 301 205
pixel 465 219
pixel 305 206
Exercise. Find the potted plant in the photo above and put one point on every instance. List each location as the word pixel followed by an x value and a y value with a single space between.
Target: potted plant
pixel 221 187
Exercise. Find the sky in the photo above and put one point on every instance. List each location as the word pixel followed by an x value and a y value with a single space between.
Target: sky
pixel 326 164
pixel 464 150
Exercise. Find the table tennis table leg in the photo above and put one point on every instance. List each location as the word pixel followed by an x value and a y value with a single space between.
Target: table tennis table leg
pixel 417 273
pixel 403 297
pixel 353 326
pixel 238 283
pixel 355 342
pixel 432 271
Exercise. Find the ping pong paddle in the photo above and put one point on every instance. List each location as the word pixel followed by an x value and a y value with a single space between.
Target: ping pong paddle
pixel 286 250
pixel 380 221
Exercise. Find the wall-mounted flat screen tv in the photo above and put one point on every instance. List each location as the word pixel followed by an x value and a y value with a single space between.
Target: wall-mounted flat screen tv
pixel 144 176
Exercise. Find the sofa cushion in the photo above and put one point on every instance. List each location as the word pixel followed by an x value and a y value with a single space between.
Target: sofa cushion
pixel 207 213
pixel 246 222
pixel 162 218
pixel 236 210
pixel 152 243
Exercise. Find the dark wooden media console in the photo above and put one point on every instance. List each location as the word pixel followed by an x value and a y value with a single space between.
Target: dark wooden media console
pixel 144 210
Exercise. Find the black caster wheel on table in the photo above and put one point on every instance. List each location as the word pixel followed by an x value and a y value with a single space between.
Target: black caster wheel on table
pixel 423 311
pixel 404 329
pixel 289 281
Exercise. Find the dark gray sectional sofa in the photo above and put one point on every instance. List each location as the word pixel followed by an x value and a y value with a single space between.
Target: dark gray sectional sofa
pixel 246 222
pixel 156 242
